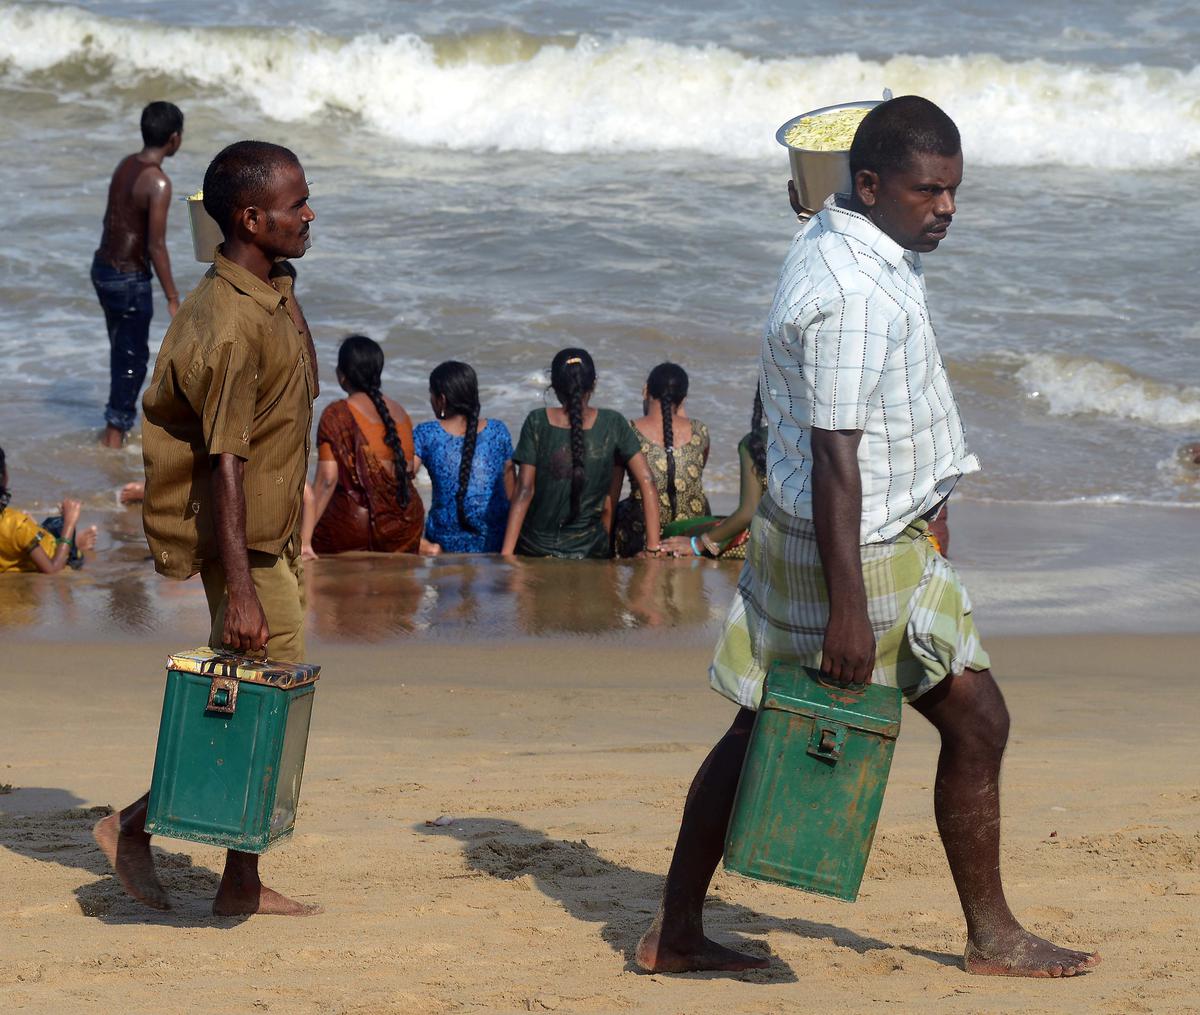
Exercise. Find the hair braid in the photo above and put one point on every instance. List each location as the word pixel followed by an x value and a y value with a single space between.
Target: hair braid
pixel 392 439
pixel 4 494
pixel 470 438
pixel 574 407
pixel 669 444
pixel 573 376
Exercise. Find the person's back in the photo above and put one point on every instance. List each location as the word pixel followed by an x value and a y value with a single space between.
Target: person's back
pixel 676 449
pixel 132 246
pixel 363 494
pixel 567 459
pixel 126 216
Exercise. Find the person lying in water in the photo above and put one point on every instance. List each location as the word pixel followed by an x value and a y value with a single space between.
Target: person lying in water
pixel 49 547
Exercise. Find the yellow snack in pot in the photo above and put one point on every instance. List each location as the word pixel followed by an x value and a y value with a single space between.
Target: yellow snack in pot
pixel 827 132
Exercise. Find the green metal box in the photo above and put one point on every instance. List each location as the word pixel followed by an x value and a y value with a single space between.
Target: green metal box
pixel 812 784
pixel 231 749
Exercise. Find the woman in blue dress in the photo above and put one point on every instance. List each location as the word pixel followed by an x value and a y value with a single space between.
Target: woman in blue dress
pixel 469 461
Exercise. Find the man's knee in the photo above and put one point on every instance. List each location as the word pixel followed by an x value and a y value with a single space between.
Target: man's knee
pixel 969 711
pixel 986 711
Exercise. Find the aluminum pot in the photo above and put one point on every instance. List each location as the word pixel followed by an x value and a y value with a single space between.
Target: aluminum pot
pixel 206 234
pixel 819 174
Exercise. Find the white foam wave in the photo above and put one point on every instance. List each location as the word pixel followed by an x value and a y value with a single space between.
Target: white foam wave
pixel 511 92
pixel 1072 386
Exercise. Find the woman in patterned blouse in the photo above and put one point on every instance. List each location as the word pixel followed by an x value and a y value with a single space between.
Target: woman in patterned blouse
pixel 676 449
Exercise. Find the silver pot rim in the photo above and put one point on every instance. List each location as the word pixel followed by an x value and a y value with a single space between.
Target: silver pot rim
pixel 859 104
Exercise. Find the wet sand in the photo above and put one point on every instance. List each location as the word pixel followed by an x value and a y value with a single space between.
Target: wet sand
pixel 563 763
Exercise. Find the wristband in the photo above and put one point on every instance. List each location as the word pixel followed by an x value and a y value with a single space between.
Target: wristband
pixel 695 549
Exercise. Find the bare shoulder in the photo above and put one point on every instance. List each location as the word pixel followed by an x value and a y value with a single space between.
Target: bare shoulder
pixel 152 183
pixel 397 410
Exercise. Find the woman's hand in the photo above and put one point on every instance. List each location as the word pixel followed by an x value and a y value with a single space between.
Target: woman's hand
pixel 85 541
pixel 677 546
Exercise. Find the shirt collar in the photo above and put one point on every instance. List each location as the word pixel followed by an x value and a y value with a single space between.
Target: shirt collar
pixel 842 220
pixel 266 296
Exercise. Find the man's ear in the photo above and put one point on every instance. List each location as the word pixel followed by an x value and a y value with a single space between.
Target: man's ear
pixel 251 219
pixel 866 186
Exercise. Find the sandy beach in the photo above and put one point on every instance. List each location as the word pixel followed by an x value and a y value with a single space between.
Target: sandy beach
pixel 563 764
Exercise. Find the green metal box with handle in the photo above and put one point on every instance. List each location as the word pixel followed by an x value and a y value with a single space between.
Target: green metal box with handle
pixel 812 785
pixel 231 748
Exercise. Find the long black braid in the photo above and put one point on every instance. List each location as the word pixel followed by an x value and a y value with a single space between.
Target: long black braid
pixel 4 494
pixel 360 361
pixel 573 375
pixel 758 446
pixel 668 385
pixel 458 386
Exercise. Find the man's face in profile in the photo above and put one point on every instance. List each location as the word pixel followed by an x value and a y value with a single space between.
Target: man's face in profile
pixel 287 214
pixel 914 205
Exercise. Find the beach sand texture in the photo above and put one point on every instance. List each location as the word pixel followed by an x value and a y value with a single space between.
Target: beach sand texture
pixel 564 766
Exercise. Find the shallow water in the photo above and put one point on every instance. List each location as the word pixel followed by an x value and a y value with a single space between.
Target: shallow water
pixel 1030 569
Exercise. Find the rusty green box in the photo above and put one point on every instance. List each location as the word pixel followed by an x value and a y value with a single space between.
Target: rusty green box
pixel 231 748
pixel 813 781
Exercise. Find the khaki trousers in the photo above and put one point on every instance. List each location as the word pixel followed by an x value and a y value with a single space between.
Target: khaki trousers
pixel 279 584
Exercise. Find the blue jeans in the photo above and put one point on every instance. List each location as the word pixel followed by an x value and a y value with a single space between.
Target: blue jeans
pixel 128 306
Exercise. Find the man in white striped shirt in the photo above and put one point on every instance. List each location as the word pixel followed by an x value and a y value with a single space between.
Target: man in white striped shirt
pixel 865 444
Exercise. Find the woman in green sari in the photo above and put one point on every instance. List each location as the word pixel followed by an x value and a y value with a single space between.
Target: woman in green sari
pixel 565 458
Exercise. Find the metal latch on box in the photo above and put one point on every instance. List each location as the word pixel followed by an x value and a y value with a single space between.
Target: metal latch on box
pixel 222 695
pixel 827 741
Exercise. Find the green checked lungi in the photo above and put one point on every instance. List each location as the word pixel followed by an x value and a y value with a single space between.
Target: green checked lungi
pixel 917 605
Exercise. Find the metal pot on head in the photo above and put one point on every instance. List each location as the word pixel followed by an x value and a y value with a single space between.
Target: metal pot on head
pixel 817 174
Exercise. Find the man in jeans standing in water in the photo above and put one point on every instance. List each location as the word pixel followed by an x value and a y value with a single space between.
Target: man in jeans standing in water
pixel 134 239
pixel 865 444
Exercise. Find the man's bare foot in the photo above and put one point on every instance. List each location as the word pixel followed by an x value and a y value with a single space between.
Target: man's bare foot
pixel 261 899
pixel 112 437
pixel 655 957
pixel 130 858
pixel 1020 953
pixel 85 539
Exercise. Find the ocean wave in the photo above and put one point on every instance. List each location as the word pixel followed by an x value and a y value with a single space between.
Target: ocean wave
pixel 1073 386
pixel 509 91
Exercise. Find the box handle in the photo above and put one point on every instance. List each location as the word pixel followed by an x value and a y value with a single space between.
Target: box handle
pixel 222 695
pixel 827 741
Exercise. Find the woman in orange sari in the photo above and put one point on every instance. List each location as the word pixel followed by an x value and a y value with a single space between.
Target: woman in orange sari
pixel 363 497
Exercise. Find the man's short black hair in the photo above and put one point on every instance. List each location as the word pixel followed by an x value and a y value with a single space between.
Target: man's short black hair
pixel 894 131
pixel 240 176
pixel 159 121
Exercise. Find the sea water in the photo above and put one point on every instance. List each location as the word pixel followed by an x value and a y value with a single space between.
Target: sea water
pixel 495 181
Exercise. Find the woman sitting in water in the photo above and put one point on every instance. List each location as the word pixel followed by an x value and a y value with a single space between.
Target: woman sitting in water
pixel 363 496
pixel 727 537
pixel 566 459
pixel 469 461
pixel 676 449
pixel 49 547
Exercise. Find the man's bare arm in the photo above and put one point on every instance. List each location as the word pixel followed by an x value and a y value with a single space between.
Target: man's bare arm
pixel 245 623
pixel 848 655
pixel 156 237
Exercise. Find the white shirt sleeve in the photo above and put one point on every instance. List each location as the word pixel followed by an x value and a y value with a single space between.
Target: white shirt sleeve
pixel 843 349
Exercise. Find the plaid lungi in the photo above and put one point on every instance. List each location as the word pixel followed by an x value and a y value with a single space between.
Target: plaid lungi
pixel 918 608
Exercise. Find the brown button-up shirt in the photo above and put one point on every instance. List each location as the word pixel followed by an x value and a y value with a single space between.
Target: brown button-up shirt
pixel 232 377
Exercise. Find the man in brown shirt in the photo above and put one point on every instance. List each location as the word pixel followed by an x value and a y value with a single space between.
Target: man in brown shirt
pixel 227 421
